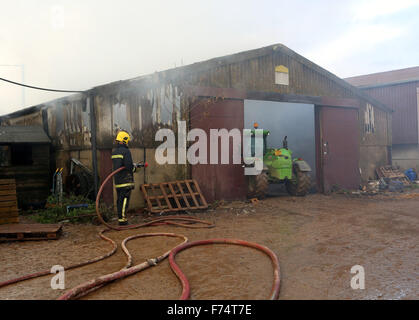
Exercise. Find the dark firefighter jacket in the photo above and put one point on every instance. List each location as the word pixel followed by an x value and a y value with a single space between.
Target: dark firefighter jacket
pixel 121 157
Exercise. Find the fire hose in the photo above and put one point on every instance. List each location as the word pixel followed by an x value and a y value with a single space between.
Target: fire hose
pixel 184 281
pixel 92 285
pixel 171 220
pixel 95 284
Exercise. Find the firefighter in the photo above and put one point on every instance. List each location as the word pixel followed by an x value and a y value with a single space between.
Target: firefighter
pixel 124 180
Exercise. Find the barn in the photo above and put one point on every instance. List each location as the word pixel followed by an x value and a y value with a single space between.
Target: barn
pixel 341 131
pixel 398 89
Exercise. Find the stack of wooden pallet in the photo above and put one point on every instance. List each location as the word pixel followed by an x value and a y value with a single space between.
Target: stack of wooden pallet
pixel 392 173
pixel 8 202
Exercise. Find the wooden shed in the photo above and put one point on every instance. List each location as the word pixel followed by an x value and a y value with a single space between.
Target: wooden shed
pixel 25 157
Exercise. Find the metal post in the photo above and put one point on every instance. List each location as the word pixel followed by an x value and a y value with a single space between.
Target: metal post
pixel 60 186
pixel 144 161
pixel 92 114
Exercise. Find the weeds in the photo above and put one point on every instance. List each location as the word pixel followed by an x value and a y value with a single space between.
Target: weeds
pixel 56 212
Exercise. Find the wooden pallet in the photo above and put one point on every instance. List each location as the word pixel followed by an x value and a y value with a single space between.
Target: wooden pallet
pixel 8 202
pixel 392 173
pixel 173 196
pixel 13 232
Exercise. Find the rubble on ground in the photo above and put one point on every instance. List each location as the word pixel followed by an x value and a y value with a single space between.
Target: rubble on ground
pixel 390 180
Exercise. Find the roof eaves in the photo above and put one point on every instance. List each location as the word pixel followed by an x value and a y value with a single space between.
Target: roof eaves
pixel 387 84
pixel 200 66
pixel 38 107
pixel 23 134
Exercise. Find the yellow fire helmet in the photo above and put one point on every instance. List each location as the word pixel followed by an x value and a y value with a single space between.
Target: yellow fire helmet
pixel 123 137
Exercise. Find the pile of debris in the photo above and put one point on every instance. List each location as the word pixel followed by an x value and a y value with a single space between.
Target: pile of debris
pixel 390 179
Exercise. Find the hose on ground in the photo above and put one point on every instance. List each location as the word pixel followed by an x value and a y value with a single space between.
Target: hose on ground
pixel 184 280
pixel 92 285
pixel 169 220
pixel 73 266
pixel 95 284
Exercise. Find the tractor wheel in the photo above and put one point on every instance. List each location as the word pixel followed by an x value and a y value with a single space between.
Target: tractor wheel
pixel 300 185
pixel 258 186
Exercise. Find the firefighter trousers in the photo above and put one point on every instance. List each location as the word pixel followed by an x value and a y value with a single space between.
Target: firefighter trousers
pixel 122 202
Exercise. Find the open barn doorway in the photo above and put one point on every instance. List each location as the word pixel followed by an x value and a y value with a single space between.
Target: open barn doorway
pixel 294 120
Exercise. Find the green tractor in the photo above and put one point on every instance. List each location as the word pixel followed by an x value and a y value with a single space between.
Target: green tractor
pixel 278 167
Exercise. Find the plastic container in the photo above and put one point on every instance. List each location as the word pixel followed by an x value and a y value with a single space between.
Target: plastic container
pixel 411 174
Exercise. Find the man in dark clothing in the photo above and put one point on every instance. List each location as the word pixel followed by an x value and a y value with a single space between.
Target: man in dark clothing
pixel 124 180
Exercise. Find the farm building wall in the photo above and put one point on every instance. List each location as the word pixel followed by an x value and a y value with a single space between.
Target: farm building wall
pixel 375 144
pixel 142 113
pixel 403 98
pixel 406 156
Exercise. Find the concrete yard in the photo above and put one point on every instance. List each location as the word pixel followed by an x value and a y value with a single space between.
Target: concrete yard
pixel 317 238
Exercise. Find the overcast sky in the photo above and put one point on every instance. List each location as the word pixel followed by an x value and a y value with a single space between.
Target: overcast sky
pixel 76 45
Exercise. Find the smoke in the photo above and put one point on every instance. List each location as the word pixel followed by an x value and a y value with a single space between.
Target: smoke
pixel 79 44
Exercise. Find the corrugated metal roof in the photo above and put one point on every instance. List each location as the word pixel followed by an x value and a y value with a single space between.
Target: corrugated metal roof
pixel 385 78
pixel 23 134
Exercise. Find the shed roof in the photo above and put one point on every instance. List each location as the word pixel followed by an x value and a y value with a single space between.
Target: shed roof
pixel 23 134
pixel 385 78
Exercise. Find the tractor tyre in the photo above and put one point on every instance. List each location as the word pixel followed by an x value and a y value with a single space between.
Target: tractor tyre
pixel 259 186
pixel 300 185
